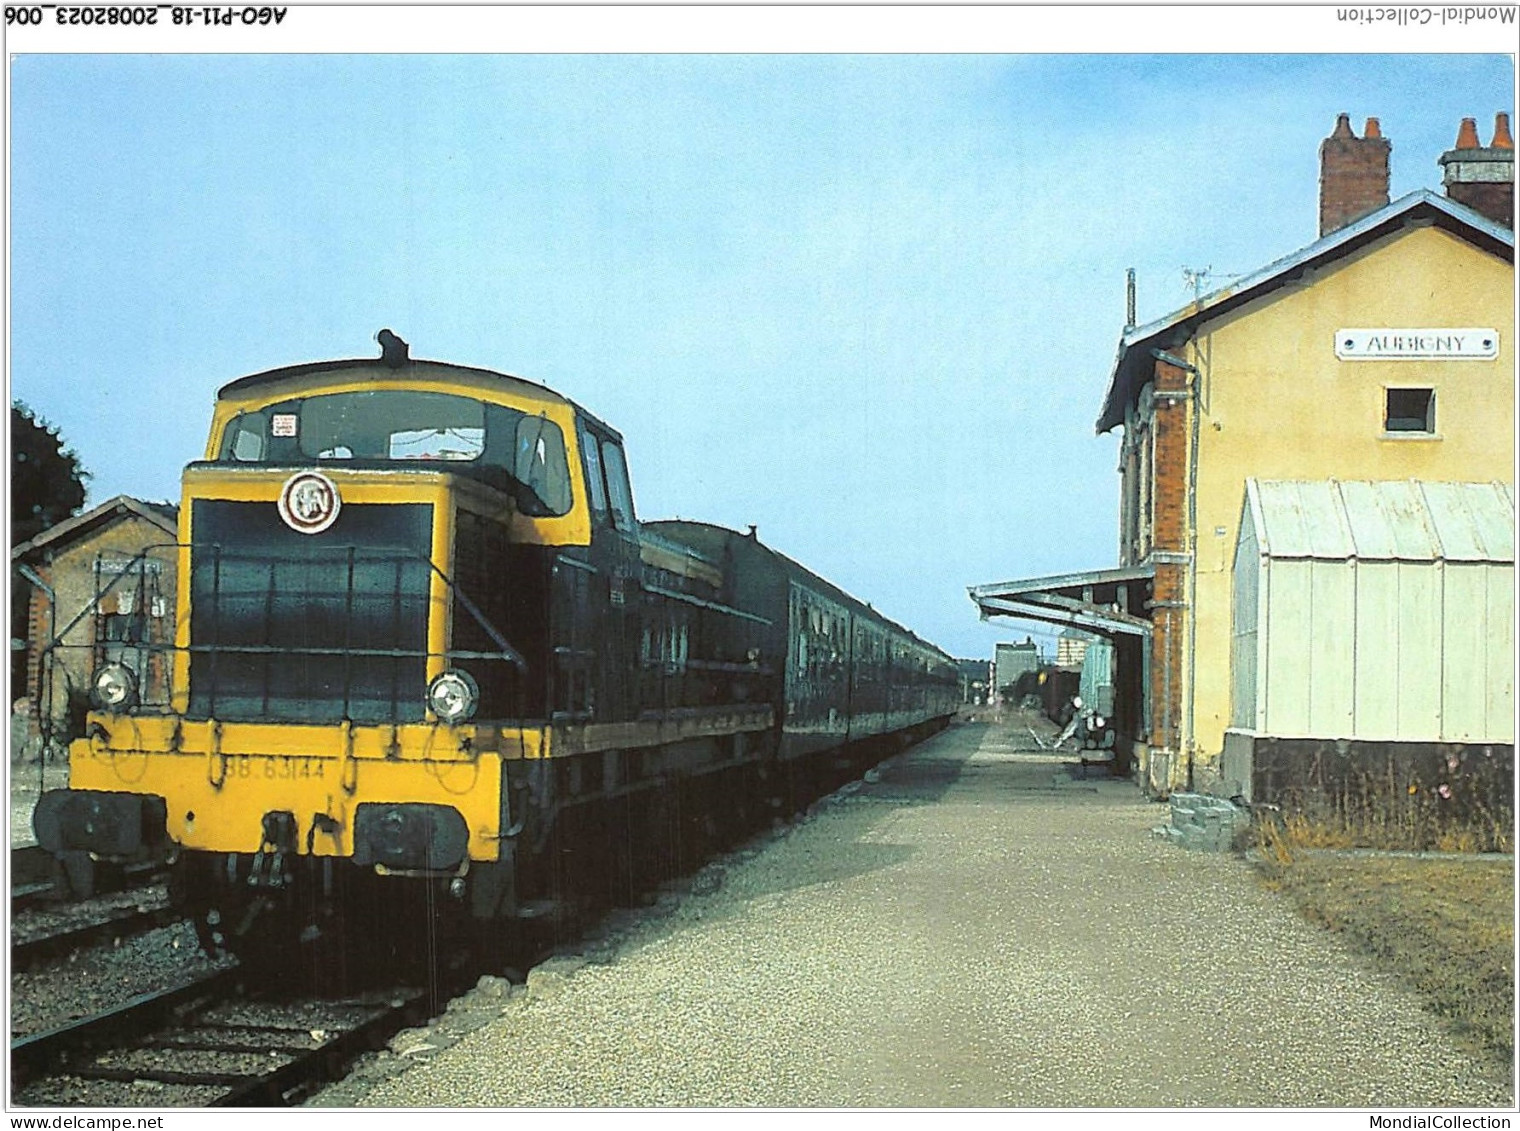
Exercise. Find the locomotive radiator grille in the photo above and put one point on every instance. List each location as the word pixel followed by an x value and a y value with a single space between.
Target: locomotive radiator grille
pixel 288 627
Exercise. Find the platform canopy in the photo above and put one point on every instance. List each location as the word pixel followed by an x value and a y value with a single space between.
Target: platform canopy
pixel 1105 601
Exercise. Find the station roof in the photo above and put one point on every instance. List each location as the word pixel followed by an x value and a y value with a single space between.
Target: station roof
pixel 1401 520
pixel 1133 364
pixel 1100 600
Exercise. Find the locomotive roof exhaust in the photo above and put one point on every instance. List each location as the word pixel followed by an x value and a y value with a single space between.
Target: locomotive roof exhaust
pixel 393 351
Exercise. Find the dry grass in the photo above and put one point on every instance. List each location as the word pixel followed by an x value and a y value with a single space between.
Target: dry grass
pixel 1443 926
pixel 1406 819
pixel 1446 797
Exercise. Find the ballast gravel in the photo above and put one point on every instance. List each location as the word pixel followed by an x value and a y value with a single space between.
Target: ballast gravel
pixel 973 925
pixel 101 977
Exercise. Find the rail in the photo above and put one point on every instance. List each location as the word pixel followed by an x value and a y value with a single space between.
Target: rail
pixel 206 1038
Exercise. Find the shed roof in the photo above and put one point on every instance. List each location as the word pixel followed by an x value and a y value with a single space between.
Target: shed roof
pixel 1133 363
pixel 55 537
pixel 1400 520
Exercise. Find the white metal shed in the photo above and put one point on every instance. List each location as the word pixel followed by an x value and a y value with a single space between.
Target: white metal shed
pixel 1375 611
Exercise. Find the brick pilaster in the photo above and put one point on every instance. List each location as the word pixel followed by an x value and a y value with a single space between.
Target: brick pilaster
pixel 38 623
pixel 1170 427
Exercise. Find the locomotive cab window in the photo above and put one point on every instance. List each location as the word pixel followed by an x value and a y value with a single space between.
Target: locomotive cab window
pixel 596 490
pixel 245 438
pixel 539 461
pixel 607 487
pixel 618 491
pixel 392 425
pixel 491 441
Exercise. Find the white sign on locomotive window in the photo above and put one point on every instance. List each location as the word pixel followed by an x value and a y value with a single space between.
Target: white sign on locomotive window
pixel 1439 344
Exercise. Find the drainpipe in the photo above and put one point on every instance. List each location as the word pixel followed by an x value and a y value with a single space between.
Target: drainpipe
pixel 1188 743
pixel 44 677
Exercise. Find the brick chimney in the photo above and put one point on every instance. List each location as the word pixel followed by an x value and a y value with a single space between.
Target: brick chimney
pixel 1483 177
pixel 1353 174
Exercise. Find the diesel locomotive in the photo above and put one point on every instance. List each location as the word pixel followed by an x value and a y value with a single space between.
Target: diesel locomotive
pixel 426 664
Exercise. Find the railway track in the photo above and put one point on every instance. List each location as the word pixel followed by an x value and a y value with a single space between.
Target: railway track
pixel 207 1043
pixel 35 877
pixel 38 879
pixel 41 937
pixel 48 920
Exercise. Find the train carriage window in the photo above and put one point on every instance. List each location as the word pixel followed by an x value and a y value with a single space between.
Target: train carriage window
pixel 618 491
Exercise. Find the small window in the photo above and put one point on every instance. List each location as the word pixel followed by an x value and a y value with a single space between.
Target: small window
pixel 245 441
pixel 539 462
pixel 591 452
pixel 617 487
pixel 1410 410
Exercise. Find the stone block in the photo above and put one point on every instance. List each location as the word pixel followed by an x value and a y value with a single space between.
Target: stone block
pixel 1207 824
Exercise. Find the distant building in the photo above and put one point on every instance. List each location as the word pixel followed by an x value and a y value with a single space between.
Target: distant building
pixel 1009 661
pixel 1071 648
pixel 1382 352
pixel 123 548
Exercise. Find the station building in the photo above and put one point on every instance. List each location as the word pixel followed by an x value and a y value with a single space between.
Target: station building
pixel 1381 353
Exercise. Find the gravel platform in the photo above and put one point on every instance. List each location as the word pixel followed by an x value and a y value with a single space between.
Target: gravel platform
pixel 975 925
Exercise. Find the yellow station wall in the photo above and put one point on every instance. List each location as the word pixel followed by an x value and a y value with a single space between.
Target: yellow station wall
pixel 1276 403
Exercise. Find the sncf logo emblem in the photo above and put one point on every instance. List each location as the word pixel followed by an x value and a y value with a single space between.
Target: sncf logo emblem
pixel 309 502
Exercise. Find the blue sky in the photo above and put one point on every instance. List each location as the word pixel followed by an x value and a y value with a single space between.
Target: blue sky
pixel 868 303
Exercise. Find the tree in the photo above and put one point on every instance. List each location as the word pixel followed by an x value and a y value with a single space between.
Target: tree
pixel 47 486
pixel 47 482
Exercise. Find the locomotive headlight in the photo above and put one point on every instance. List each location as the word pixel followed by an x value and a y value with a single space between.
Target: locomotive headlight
pixel 453 696
pixel 115 688
pixel 1098 722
